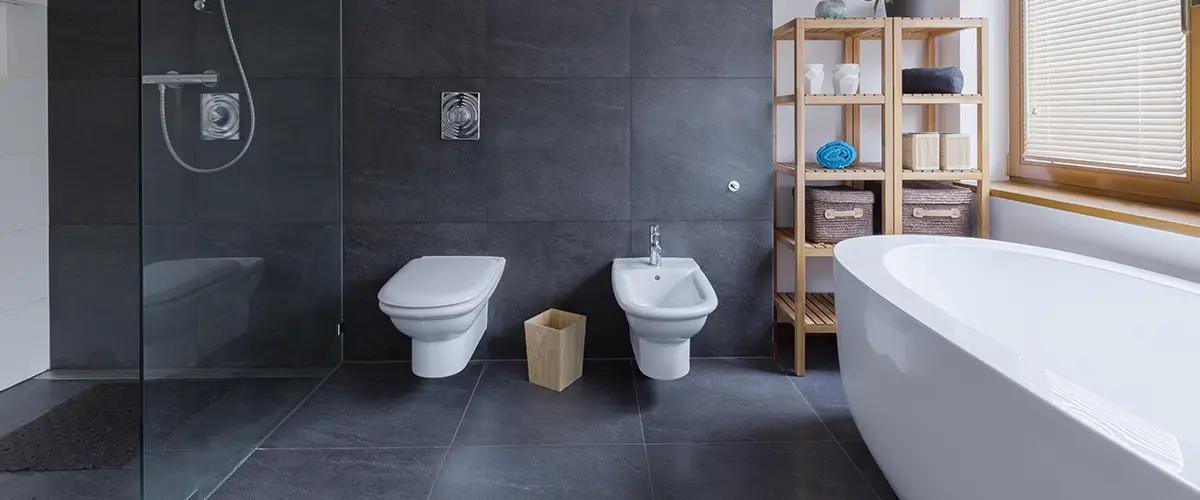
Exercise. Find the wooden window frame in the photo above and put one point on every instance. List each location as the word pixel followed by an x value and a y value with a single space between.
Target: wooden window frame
pixel 1180 191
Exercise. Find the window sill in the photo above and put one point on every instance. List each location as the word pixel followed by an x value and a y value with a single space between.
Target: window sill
pixel 1175 220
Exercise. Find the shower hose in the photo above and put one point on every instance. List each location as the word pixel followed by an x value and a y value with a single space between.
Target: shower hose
pixel 162 108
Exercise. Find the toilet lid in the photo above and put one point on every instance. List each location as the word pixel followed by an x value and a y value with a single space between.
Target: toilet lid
pixel 441 281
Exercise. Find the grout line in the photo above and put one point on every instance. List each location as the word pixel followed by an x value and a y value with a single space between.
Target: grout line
pixel 642 427
pixel 272 432
pixel 354 448
pixel 488 361
pixel 467 408
pixel 837 441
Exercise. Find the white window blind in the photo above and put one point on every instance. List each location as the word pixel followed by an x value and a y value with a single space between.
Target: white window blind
pixel 1106 84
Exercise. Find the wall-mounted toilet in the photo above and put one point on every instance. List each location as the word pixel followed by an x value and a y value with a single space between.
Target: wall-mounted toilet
pixel 442 303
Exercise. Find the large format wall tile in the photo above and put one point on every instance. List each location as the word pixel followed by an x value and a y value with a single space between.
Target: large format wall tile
pixel 702 38
pixel 373 253
pixel 90 39
pixel 558 150
pixel 94 151
pixel 566 266
pixel 736 257
pixel 445 38
pixel 690 138
pixel 296 307
pixel 563 38
pixel 291 171
pixel 398 168
pixel 169 35
pixel 94 306
pixel 275 38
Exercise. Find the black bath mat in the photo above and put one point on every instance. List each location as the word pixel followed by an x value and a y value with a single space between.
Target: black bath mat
pixel 99 428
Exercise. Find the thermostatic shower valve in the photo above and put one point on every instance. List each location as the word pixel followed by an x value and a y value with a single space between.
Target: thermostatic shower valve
pixel 220 117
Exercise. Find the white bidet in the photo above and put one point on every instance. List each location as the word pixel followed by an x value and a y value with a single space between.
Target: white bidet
pixel 666 307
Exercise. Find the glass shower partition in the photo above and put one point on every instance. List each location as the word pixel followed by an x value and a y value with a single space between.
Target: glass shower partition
pixel 240 227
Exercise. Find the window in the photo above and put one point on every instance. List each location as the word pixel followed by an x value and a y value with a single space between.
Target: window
pixel 1100 96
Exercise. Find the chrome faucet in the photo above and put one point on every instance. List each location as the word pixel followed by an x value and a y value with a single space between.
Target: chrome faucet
pixel 655 246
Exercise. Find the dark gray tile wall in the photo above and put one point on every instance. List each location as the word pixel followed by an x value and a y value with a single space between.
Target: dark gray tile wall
pixel 281 202
pixel 94 202
pixel 599 118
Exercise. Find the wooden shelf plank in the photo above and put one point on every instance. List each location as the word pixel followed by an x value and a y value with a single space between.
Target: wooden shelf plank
pixel 786 32
pixel 787 236
pixel 921 28
pixel 866 28
pixel 785 100
pixel 787 303
pixel 870 171
pixel 942 99
pixel 818 249
pixel 786 167
pixel 842 99
pixel 819 313
pixel 943 175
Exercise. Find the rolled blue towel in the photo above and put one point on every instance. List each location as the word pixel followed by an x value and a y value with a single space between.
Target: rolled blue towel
pixel 837 155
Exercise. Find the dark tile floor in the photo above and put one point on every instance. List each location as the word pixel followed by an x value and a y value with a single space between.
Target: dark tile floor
pixel 733 428
pixel 195 432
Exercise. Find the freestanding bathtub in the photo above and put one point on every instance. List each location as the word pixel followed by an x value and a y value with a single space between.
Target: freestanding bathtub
pixel 982 370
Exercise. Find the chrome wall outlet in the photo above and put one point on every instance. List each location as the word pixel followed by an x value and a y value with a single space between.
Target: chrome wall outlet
pixel 460 116
pixel 220 117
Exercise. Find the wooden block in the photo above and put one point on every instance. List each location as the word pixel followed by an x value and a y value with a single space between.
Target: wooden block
pixel 554 345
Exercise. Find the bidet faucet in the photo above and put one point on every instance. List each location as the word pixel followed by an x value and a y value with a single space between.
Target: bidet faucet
pixel 655 246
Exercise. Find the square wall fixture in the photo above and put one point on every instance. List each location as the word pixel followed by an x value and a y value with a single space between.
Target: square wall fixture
pixel 460 116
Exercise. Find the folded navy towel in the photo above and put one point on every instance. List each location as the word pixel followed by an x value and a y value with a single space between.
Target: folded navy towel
pixel 933 80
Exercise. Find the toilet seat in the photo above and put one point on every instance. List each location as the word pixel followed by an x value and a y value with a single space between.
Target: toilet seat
pixel 442 304
pixel 440 287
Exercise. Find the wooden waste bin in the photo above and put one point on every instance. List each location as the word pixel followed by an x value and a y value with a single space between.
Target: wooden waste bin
pixel 554 345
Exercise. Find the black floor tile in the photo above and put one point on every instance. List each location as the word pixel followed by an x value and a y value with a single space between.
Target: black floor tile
pixel 777 470
pixel 333 474
pixel 823 389
pixel 599 408
pixel 862 458
pixel 379 405
pixel 727 400
pixel 544 473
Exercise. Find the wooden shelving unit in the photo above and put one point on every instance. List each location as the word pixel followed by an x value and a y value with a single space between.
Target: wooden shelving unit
pixel 815 313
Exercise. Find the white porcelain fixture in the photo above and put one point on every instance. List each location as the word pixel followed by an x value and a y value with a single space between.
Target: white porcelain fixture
pixel 814 78
pixel 442 303
pixel 193 307
pixel 845 78
pixel 666 306
pixel 992 371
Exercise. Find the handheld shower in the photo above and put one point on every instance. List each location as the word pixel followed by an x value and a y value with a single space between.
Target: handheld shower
pixel 164 81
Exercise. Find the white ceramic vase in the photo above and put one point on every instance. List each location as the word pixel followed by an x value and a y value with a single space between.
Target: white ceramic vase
pixel 814 78
pixel 845 78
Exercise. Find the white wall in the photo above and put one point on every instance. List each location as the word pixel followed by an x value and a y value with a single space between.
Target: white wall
pixel 24 207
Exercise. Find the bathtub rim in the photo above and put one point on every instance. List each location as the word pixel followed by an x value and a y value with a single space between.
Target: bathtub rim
pixel 864 259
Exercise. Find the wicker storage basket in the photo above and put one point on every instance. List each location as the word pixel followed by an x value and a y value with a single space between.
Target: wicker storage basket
pixel 836 213
pixel 937 209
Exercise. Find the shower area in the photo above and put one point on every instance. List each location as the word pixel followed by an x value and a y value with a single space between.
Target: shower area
pixel 185 158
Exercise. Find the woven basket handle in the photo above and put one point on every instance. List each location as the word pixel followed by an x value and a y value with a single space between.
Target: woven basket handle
pixel 952 213
pixel 838 214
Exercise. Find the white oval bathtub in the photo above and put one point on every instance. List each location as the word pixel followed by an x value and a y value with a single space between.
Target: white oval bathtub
pixel 981 370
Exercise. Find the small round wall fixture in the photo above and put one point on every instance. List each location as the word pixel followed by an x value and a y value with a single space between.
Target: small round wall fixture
pixel 460 116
